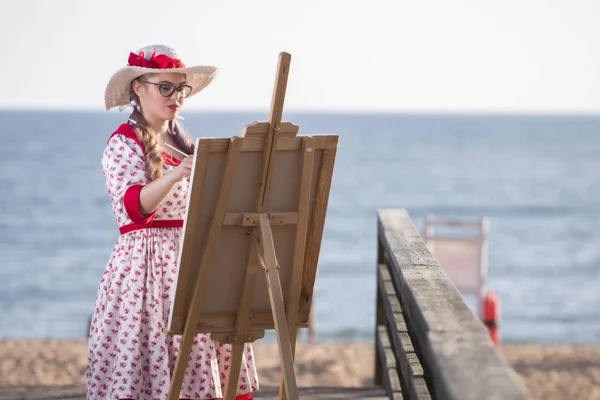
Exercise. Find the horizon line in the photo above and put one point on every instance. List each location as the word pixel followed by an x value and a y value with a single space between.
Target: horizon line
pixel 367 111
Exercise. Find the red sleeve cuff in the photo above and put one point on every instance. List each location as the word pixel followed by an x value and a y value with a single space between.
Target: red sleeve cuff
pixel 131 201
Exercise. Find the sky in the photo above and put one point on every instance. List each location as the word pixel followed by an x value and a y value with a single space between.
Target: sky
pixel 521 56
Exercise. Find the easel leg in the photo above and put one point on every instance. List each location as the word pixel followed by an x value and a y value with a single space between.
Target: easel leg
pixel 293 338
pixel 277 307
pixel 282 393
pixel 233 375
pixel 181 364
pixel 283 334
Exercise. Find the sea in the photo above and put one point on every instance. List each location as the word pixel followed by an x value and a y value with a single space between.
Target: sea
pixel 535 177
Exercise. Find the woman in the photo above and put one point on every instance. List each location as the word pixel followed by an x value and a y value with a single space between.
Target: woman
pixel 129 357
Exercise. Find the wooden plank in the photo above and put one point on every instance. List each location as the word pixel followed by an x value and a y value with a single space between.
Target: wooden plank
pixel 285 143
pixel 277 306
pixel 205 266
pixel 407 360
pixel 251 219
pixel 223 322
pixel 322 142
pixel 379 315
pixel 190 249
pixel 317 223
pixel 458 356
pixel 293 300
pixel 387 360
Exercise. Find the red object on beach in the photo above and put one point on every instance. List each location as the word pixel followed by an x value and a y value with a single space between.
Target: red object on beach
pixel 491 316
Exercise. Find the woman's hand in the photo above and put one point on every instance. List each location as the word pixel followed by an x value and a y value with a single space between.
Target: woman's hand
pixel 155 192
pixel 183 169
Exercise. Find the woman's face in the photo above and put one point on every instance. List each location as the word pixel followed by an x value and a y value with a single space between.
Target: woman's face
pixel 151 90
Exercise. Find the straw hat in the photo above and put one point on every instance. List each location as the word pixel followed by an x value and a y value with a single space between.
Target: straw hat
pixel 154 59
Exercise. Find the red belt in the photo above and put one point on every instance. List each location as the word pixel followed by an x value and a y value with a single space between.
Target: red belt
pixel 160 223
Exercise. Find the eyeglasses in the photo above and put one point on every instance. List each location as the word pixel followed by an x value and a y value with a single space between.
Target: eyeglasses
pixel 167 89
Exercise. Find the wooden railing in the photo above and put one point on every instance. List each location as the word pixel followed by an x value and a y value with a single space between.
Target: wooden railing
pixel 429 344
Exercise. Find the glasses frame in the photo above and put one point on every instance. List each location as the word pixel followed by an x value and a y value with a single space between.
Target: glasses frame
pixel 174 88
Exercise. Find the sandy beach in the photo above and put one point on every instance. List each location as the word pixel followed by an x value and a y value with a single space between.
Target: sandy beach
pixel 56 369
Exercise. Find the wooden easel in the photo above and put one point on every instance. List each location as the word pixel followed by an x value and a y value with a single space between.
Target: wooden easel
pixel 251 231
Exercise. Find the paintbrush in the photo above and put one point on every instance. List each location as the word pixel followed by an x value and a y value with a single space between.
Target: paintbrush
pixel 177 150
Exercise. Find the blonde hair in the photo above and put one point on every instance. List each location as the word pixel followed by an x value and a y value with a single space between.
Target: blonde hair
pixel 147 136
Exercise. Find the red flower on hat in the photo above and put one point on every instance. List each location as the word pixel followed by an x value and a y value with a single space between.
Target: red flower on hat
pixel 160 61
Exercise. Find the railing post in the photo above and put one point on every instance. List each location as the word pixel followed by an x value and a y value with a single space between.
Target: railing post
pixel 380 313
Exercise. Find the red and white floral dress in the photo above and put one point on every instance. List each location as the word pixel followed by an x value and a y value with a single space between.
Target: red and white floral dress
pixel 129 357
